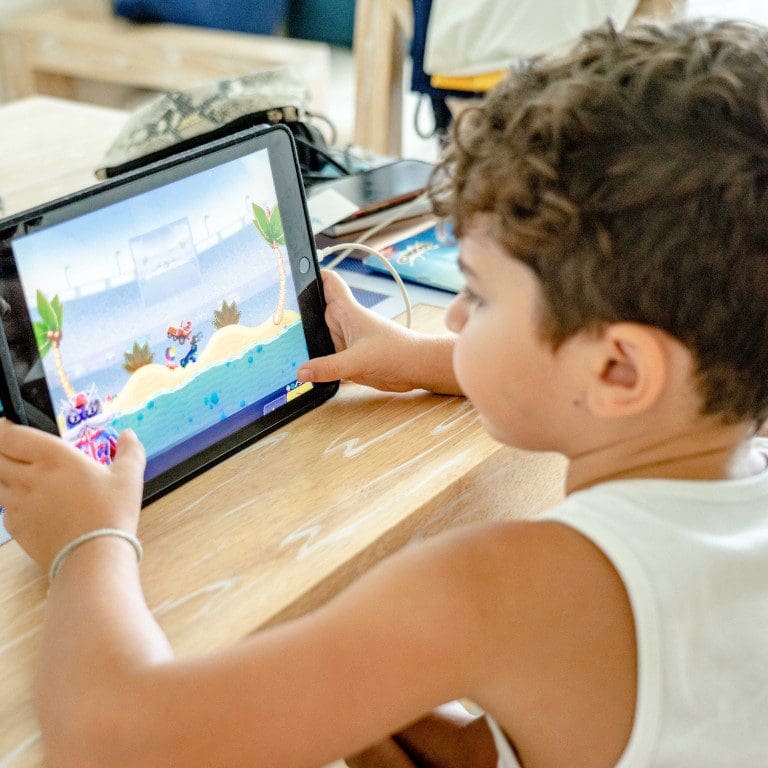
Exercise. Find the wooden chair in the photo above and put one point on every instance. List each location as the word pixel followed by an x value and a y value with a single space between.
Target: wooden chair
pixel 382 31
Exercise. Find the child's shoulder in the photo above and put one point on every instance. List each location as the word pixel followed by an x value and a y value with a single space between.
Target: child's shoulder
pixel 531 567
pixel 502 592
pixel 553 624
pixel 539 572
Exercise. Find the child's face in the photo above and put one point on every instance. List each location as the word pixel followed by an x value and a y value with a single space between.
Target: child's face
pixel 511 375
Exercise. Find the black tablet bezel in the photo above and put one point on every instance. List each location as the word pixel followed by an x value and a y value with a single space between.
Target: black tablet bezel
pixel 16 353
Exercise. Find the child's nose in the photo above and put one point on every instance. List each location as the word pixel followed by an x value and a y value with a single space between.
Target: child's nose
pixel 455 315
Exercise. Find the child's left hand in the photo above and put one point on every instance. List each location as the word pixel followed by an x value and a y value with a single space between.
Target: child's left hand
pixel 449 737
pixel 52 493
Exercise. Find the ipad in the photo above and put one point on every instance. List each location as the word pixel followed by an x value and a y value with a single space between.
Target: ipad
pixel 178 300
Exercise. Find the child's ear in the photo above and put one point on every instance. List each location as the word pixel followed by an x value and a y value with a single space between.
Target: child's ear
pixel 629 371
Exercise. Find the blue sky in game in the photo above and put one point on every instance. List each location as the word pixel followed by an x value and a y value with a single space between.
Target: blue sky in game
pixel 184 249
pixel 96 246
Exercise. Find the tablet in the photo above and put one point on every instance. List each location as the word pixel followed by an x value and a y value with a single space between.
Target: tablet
pixel 178 300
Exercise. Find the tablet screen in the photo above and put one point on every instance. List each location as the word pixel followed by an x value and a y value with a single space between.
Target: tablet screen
pixel 172 312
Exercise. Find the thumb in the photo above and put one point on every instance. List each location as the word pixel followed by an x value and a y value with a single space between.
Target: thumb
pixel 131 457
pixel 327 368
pixel 335 288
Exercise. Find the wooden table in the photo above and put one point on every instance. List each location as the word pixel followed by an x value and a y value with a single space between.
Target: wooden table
pixel 277 529
pixel 52 147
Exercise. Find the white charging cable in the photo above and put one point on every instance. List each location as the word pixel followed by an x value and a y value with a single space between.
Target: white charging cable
pixel 402 213
pixel 323 253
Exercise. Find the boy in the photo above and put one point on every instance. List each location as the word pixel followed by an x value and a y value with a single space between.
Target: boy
pixel 612 211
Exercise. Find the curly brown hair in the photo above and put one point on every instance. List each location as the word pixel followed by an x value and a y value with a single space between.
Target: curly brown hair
pixel 631 175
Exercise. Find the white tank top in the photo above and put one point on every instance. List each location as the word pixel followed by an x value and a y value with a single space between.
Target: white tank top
pixel 693 556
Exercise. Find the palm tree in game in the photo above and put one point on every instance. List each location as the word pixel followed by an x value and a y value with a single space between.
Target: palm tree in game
pixel 270 227
pixel 48 335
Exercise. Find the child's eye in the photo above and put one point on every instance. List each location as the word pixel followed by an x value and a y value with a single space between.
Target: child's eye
pixel 471 297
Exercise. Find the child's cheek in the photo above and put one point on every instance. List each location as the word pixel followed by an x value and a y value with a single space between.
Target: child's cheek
pixel 458 363
pixel 466 368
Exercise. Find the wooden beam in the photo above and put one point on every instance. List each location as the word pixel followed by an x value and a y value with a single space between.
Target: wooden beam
pixel 50 44
pixel 382 32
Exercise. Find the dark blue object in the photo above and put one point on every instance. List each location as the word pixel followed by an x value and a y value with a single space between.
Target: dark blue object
pixel 330 21
pixel 190 357
pixel 259 16
pixel 420 79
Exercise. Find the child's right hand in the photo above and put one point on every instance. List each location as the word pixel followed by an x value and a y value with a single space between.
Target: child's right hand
pixel 53 493
pixel 370 349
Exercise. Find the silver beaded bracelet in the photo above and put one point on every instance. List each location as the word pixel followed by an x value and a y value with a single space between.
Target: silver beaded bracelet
pixel 68 549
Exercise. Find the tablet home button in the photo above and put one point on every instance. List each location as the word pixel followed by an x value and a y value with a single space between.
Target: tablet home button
pixel 303 265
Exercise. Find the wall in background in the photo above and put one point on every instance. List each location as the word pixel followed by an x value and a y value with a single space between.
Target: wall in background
pixel 9 7
pixel 754 10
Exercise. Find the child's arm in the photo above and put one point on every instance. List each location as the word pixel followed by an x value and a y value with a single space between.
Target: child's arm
pixel 378 352
pixel 528 619
pixel 109 692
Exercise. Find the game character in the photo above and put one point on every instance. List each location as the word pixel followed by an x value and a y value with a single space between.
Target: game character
pixel 81 407
pixel 191 356
pixel 88 430
pixel 182 333
pixel 170 358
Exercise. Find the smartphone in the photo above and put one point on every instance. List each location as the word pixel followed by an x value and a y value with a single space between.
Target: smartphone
pixel 383 187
